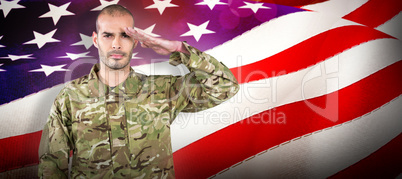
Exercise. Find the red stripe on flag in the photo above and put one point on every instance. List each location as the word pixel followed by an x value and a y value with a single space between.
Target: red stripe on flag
pixel 384 163
pixel 246 138
pixel 375 12
pixel 19 151
pixel 307 53
pixel 294 3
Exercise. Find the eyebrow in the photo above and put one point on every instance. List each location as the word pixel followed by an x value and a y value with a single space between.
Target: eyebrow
pixel 109 33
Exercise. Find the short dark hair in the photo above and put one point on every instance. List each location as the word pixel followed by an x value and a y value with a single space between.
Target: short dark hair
pixel 114 9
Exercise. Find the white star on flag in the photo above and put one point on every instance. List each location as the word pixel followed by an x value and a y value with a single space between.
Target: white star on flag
pixel 197 31
pixel 7 6
pixel 211 3
pixel 2 69
pixel 104 4
pixel 56 12
pixel 50 69
pixel 85 40
pixel 134 56
pixel 149 31
pixel 74 56
pixel 161 5
pixel 0 44
pixel 41 39
pixel 17 57
pixel 254 6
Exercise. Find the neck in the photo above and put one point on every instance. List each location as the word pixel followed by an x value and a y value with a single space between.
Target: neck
pixel 112 77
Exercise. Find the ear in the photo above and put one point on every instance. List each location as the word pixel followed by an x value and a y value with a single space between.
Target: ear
pixel 95 39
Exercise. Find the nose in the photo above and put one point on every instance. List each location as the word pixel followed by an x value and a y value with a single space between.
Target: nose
pixel 116 44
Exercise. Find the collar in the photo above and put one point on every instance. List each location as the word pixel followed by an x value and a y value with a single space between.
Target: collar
pixel 129 87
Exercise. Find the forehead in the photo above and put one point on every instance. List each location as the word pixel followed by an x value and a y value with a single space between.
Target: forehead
pixel 115 22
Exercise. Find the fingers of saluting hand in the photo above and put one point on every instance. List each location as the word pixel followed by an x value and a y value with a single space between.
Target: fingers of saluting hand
pixel 159 45
pixel 131 31
pixel 137 34
pixel 144 45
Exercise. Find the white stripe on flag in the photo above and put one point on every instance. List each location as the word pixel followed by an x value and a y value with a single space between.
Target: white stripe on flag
pixel 28 114
pixel 393 27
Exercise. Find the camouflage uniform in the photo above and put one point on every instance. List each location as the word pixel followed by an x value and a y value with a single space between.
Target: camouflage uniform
pixel 124 132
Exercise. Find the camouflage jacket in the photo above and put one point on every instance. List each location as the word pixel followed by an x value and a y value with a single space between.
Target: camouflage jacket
pixel 124 132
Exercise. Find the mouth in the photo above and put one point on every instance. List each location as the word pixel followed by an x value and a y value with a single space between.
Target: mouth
pixel 116 55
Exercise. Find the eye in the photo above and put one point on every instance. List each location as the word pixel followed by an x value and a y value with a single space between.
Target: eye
pixel 126 36
pixel 107 35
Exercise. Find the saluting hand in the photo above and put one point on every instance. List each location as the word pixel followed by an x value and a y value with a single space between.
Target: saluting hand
pixel 159 45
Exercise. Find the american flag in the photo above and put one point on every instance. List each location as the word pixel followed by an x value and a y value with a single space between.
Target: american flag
pixel 320 82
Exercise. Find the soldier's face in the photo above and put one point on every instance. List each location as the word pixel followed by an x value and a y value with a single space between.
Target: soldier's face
pixel 115 47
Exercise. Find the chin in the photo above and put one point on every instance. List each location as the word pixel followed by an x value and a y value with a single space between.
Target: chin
pixel 117 66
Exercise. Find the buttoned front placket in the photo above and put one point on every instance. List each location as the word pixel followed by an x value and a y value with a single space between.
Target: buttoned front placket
pixel 115 113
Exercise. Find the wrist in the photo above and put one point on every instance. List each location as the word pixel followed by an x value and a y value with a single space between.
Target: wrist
pixel 181 48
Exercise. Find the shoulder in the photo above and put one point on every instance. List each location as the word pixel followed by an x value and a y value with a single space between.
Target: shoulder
pixel 78 84
pixel 161 82
pixel 77 87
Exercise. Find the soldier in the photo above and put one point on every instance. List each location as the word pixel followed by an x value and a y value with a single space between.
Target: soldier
pixel 117 121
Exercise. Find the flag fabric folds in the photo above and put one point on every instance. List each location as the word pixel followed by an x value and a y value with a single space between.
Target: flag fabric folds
pixel 320 82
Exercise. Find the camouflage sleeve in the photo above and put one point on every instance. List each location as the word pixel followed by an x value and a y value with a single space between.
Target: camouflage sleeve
pixel 55 144
pixel 208 84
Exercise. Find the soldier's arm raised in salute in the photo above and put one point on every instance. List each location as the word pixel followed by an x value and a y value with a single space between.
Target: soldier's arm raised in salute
pixel 209 82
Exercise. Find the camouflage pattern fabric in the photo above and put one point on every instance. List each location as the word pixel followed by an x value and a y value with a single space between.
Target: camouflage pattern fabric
pixel 124 132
